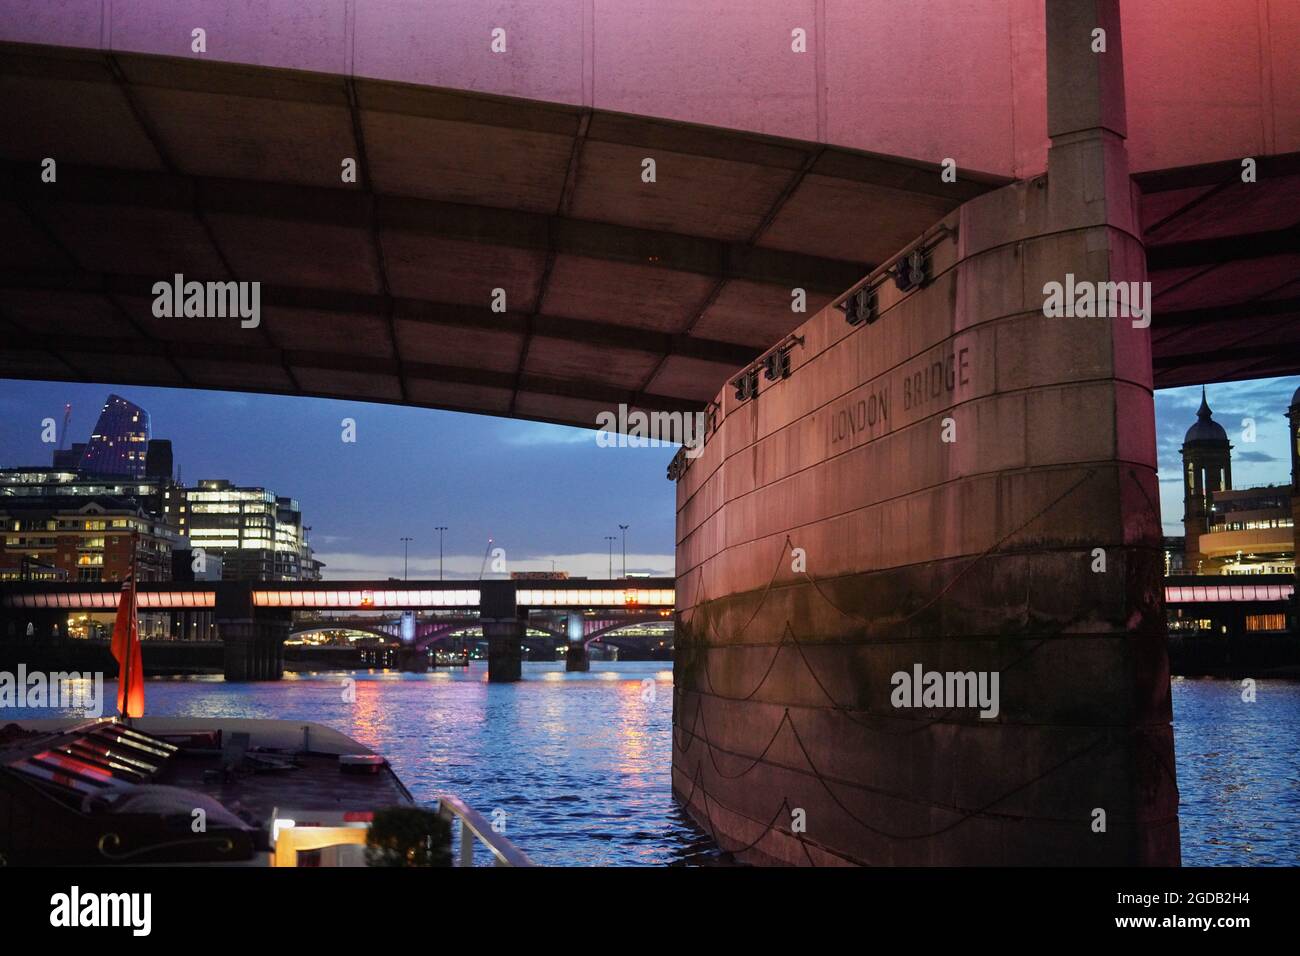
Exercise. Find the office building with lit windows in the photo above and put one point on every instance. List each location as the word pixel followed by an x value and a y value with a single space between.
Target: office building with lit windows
pixel 159 496
pixel 257 535
pixel 86 540
pixel 119 444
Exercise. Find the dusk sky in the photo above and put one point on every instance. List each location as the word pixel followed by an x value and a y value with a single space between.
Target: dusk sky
pixel 543 492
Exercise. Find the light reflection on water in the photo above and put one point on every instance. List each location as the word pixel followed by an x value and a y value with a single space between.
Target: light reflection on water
pixel 580 762
pixel 1238 772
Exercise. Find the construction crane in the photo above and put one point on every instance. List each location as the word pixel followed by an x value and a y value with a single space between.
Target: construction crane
pixel 67 420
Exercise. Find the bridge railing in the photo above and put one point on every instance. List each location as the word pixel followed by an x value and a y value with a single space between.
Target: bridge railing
pixel 474 828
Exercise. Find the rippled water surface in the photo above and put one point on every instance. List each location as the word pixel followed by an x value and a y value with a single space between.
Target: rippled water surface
pixel 580 762
pixel 1238 772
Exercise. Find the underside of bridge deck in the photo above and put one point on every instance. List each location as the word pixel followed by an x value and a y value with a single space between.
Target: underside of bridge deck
pixel 616 290
pixel 1223 257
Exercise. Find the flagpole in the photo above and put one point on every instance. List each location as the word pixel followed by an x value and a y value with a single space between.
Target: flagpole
pixel 132 627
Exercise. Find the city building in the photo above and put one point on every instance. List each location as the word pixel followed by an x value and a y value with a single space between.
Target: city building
pixel 244 533
pixel 69 459
pixel 158 458
pixel 119 443
pixel 256 534
pixel 160 496
pixel 1241 530
pixel 90 540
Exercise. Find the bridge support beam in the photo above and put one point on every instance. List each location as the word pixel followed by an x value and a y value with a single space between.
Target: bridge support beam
pixel 963 486
pixel 503 629
pixel 413 659
pixel 254 647
pixel 253 639
pixel 504 656
pixel 575 657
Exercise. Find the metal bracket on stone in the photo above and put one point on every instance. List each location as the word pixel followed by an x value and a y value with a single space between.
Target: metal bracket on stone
pixel 746 384
pixel 910 270
pixel 775 364
pixel 681 461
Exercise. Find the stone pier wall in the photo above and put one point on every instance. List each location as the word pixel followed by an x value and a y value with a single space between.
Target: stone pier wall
pixel 254 646
pixel 830 538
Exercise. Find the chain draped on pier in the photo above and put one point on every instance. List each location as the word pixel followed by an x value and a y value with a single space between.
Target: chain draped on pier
pixel 699 726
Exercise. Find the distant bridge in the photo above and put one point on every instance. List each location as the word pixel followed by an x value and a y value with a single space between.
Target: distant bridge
pixel 253 618
pixel 432 631
pixel 344 595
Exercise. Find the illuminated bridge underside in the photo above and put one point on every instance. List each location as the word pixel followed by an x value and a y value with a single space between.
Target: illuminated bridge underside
pixel 1223 258
pixel 617 291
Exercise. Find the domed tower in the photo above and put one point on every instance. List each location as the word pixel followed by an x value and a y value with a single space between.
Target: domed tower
pixel 1207 468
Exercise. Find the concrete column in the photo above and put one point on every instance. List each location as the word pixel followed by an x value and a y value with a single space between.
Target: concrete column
pixel 504 658
pixel 971 488
pixel 413 659
pixel 253 639
pixel 575 658
pixel 503 629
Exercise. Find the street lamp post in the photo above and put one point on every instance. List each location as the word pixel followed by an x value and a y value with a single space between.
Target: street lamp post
pixel 406 544
pixel 440 529
pixel 610 539
pixel 624 529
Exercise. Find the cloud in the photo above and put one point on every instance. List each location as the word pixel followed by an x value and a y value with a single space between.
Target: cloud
pixel 329 539
pixel 1253 456
pixel 542 433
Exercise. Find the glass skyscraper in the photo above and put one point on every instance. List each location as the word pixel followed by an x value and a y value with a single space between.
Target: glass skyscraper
pixel 120 443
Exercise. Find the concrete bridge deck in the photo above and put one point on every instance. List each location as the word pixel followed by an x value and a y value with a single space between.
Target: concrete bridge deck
pixel 522 172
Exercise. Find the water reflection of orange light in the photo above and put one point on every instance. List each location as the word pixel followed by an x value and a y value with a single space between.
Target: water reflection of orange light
pixel 366 712
pixel 633 741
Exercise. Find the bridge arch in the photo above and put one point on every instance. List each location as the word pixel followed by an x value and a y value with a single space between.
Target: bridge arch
pixel 316 628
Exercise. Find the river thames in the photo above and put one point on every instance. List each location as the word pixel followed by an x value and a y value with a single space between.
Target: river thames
pixel 579 763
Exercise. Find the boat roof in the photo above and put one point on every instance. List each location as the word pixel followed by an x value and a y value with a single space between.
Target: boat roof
pixel 283 764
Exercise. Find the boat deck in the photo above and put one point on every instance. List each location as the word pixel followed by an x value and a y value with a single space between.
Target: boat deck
pixel 315 782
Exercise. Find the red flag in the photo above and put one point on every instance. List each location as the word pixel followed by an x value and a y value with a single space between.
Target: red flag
pixel 126 648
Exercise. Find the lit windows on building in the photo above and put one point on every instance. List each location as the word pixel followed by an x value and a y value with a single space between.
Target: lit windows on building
pixel 258 535
pixel 119 443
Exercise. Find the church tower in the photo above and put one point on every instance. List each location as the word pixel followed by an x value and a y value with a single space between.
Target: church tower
pixel 1207 468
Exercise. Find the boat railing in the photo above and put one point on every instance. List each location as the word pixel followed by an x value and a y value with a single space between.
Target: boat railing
pixel 475 828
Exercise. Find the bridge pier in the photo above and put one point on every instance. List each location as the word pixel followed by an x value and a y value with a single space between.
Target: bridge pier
pixel 253 640
pixel 503 629
pixel 413 659
pixel 576 658
pixel 505 660
pixel 254 647
pixel 960 487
